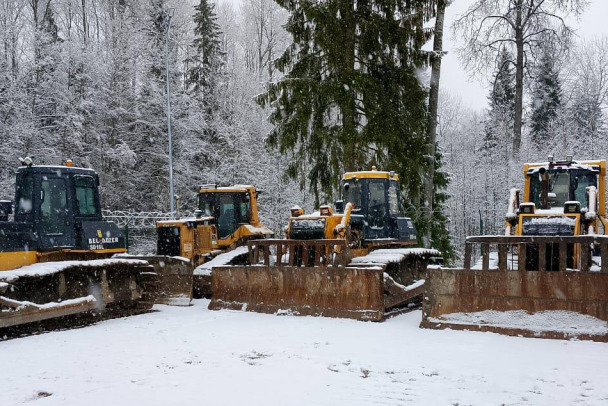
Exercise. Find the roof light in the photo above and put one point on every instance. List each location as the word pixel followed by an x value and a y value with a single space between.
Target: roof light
pixel 527 208
pixel 551 159
pixel 374 168
pixel 296 211
pixel 572 207
pixel 569 159
pixel 69 163
pixel 27 161
pixel 326 210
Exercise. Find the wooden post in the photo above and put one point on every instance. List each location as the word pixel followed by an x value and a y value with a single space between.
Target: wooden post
pixel 485 252
pixel 563 256
pixel 267 255
pixel 502 257
pixel 521 257
pixel 585 257
pixel 304 255
pixel 542 256
pixel 250 249
pixel 604 254
pixel 256 254
pixel 292 254
pixel 279 254
pixel 468 247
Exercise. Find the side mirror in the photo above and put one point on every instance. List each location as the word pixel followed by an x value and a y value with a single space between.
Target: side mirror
pixel 198 214
pixel 339 205
pixel 346 187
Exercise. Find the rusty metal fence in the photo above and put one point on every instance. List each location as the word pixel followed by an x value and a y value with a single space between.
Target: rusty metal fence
pixel 582 245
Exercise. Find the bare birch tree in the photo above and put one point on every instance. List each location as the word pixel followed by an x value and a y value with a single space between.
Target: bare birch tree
pixel 488 26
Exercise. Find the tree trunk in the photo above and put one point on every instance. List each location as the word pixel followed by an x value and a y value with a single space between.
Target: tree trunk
pixel 429 185
pixel 85 32
pixel 519 78
pixel 348 107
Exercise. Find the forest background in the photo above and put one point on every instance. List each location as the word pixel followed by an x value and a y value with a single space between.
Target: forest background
pixel 85 79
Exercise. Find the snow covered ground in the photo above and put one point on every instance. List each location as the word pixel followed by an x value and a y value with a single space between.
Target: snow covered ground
pixel 192 356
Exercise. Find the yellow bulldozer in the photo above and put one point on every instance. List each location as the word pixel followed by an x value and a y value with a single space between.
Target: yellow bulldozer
pixel 225 219
pixel 56 249
pixel 548 275
pixel 355 260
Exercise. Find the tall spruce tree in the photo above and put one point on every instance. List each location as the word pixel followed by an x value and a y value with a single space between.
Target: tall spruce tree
pixel 205 64
pixel 350 96
pixel 546 97
pixel 499 124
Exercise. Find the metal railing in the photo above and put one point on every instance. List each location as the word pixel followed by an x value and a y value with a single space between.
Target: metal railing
pixel 298 252
pixel 582 245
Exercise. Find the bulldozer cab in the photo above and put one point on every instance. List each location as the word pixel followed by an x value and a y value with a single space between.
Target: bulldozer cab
pixel 377 205
pixel 60 202
pixel 57 208
pixel 230 208
pixel 235 213
pixel 565 183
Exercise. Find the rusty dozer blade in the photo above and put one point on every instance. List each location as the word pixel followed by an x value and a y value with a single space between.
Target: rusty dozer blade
pixel 51 290
pixel 309 278
pixel 175 279
pixel 563 304
pixel 202 273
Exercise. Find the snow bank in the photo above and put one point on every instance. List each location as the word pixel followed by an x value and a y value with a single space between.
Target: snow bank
pixel 221 260
pixel 187 355
pixel 562 321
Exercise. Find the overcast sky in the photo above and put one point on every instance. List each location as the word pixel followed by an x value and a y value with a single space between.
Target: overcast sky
pixel 474 92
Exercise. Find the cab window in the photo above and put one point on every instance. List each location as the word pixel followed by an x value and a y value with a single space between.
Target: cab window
pixel 352 193
pixel 85 195
pixel 25 191
pixel 393 198
pixel 376 205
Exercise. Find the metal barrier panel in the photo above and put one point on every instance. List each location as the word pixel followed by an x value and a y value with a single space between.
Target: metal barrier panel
pixel 320 291
pixel 452 291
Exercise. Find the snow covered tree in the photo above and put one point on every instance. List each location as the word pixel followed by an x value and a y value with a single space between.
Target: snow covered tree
pixel 205 64
pixel 501 104
pixel 350 95
pixel 588 92
pixel 546 96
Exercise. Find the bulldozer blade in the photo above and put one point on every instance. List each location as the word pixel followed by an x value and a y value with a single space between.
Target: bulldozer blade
pixel 26 312
pixel 561 304
pixel 354 293
pixel 175 279
pixel 46 291
pixel 202 274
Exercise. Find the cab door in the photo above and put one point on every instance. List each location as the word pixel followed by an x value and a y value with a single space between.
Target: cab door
pixel 377 218
pixel 56 223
